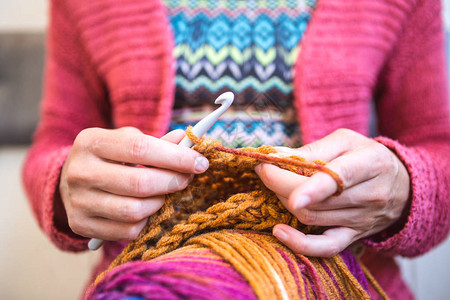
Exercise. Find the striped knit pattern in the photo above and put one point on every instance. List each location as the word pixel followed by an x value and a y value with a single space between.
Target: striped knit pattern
pixel 248 47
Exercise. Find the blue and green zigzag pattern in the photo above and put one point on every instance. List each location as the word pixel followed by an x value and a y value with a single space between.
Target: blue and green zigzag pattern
pixel 248 47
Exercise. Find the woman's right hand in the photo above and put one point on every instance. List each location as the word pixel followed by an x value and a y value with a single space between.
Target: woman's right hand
pixel 106 192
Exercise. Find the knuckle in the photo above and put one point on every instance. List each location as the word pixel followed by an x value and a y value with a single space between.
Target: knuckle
pixel 139 184
pixel 307 217
pixel 74 175
pixel 387 195
pixel 345 132
pixel 180 159
pixel 88 138
pixel 297 247
pixel 130 129
pixel 350 200
pixel 346 172
pixel 392 164
pixel 75 203
pixel 139 147
pixel 383 195
pixel 83 136
pixel 378 165
pixel 264 173
pixel 380 201
pixel 268 176
pixel 333 249
pixel 178 183
pixel 381 160
pixel 71 175
pixel 132 211
pixel 372 221
pixel 76 225
pixel 309 148
pixel 133 232
pixel 185 180
pixel 94 144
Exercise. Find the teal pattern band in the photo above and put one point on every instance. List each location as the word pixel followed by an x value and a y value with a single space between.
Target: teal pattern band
pixel 247 47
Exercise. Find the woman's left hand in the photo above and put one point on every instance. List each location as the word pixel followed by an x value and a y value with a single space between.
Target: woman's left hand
pixel 376 192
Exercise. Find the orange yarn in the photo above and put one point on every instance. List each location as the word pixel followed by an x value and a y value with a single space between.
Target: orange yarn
pixel 231 196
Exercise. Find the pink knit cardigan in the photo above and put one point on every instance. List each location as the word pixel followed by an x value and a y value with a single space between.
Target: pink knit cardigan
pixel 110 65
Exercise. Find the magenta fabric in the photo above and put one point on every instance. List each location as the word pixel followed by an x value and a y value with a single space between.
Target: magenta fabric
pixel 110 64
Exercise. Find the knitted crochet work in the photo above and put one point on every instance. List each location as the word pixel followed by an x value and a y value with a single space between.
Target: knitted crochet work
pixel 229 212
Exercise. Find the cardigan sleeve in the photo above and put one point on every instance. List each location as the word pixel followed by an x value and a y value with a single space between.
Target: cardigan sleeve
pixel 73 99
pixel 413 115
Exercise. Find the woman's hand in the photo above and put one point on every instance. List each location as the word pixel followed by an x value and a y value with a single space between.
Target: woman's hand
pixel 106 192
pixel 376 192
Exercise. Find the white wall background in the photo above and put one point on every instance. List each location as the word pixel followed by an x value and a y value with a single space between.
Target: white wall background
pixel 446 12
pixel 23 15
pixel 48 269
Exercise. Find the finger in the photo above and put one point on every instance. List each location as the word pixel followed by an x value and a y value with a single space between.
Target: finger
pixel 123 209
pixel 137 182
pixel 280 181
pixel 108 230
pixel 356 196
pixel 174 136
pixel 327 148
pixel 146 150
pixel 353 168
pixel 345 210
pixel 348 217
pixel 328 244
pixel 129 129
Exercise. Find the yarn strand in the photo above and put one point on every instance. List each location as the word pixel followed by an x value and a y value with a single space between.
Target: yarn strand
pixel 229 211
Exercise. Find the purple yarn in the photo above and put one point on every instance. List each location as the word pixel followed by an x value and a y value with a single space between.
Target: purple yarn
pixel 183 278
pixel 199 275
pixel 355 268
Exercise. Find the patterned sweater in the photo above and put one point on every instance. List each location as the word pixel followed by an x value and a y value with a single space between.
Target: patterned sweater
pixel 248 47
pixel 110 64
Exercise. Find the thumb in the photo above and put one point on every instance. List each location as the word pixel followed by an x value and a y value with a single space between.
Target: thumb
pixel 329 147
pixel 328 244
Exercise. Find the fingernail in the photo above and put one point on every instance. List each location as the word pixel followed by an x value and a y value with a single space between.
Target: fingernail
pixel 301 202
pixel 280 234
pixel 201 164
pixel 258 168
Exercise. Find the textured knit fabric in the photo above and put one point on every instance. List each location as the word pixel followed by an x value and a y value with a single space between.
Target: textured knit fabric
pixel 110 64
pixel 248 47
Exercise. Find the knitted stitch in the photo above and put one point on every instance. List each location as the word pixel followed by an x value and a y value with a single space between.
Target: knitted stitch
pixel 261 259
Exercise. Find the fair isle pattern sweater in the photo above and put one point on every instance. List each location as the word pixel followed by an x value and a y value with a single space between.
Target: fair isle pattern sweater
pixel 110 64
pixel 248 47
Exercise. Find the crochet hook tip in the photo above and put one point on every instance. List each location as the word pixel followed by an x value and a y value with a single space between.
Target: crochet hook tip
pixel 225 100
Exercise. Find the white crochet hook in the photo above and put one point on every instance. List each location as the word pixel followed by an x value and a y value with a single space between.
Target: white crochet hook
pixel 225 100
